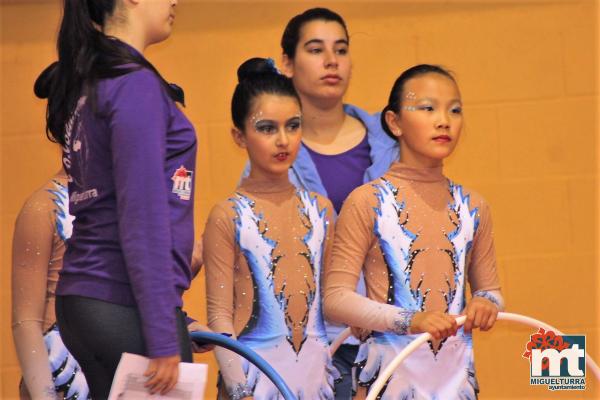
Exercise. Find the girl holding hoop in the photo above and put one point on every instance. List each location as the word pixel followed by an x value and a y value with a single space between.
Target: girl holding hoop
pixel 419 238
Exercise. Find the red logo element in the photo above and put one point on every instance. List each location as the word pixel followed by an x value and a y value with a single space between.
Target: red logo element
pixel 181 172
pixel 182 183
pixel 545 340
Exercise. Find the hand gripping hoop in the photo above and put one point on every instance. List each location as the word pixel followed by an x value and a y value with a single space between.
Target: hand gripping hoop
pixel 424 337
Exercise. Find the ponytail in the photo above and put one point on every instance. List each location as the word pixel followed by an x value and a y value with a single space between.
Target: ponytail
pixel 85 55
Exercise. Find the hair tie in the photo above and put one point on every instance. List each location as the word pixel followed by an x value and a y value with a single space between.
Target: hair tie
pixel 271 64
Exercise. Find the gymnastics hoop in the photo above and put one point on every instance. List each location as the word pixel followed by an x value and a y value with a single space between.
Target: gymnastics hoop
pixel 248 354
pixel 345 334
pixel 424 337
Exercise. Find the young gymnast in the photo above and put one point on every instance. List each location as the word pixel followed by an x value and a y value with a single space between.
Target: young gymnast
pixel 419 238
pixel 42 227
pixel 264 249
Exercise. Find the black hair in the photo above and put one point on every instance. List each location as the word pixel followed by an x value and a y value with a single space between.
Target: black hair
pixel 395 100
pixel 257 76
pixel 85 55
pixel 291 34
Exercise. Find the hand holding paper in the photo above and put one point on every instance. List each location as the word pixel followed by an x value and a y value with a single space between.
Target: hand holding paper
pixel 130 382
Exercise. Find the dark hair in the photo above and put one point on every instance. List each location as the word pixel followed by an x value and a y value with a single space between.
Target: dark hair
pixel 257 76
pixel 85 55
pixel 291 34
pixel 395 101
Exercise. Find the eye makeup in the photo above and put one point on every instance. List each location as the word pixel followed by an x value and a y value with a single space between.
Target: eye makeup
pixel 410 96
pixel 254 118
pixel 268 126
pixel 428 104
pixel 294 123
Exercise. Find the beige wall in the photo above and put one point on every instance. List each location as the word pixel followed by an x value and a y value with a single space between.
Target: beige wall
pixel 528 73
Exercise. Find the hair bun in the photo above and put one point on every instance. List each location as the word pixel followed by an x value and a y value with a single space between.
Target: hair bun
pixel 42 85
pixel 256 66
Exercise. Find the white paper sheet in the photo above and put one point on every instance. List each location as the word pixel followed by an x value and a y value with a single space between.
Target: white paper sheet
pixel 129 381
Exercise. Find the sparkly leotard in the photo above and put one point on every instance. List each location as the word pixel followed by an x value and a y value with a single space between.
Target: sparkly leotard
pixel 419 239
pixel 43 226
pixel 264 248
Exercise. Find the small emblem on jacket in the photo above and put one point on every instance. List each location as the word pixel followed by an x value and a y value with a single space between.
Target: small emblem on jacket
pixel 182 183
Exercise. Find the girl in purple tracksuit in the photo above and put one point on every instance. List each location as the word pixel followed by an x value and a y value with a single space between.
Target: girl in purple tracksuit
pixel 130 154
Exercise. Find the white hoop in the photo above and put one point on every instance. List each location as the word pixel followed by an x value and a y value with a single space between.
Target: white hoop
pixel 424 337
pixel 345 334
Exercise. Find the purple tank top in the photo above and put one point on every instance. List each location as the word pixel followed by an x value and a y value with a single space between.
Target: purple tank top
pixel 342 173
